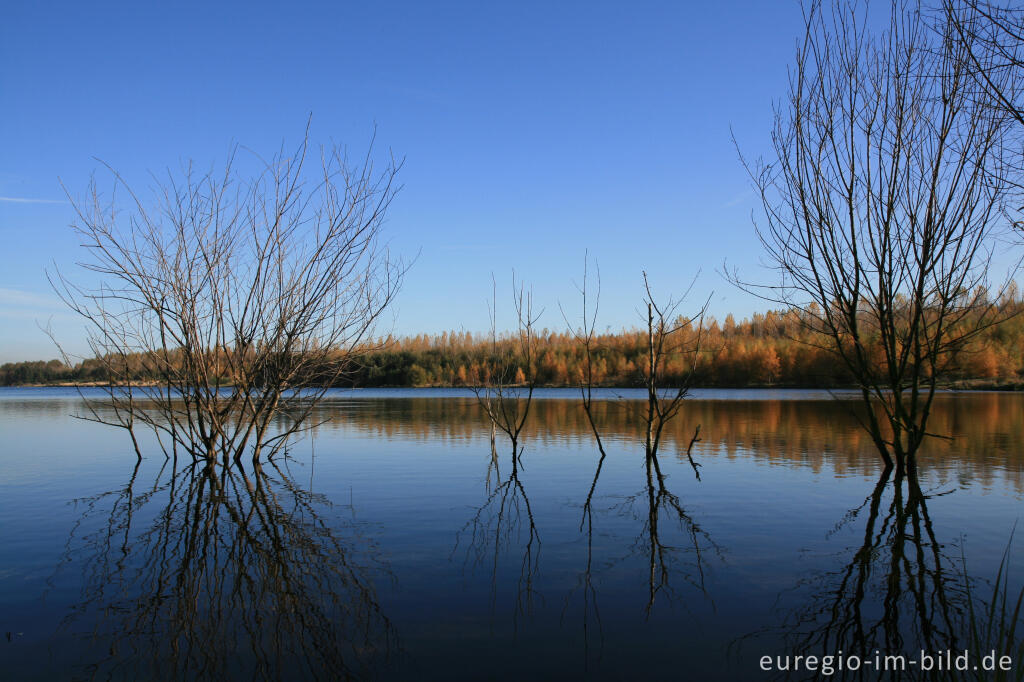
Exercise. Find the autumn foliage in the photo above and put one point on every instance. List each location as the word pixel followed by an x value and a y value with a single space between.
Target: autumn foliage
pixel 769 349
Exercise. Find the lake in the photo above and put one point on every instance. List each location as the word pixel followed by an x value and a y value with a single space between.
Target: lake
pixel 392 542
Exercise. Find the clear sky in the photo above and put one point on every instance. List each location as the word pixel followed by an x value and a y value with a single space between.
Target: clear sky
pixel 531 132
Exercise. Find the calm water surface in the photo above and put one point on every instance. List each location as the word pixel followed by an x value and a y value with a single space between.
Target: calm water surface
pixel 394 544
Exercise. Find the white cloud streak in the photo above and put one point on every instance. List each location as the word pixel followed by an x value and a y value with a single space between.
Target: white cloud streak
pixel 27 200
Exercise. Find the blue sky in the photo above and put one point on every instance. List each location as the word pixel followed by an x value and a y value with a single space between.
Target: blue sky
pixel 531 132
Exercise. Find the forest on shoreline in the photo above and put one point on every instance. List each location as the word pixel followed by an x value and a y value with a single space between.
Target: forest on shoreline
pixel 776 349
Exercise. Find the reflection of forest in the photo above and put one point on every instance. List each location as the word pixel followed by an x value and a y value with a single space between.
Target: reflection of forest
pixel 222 574
pixel 822 434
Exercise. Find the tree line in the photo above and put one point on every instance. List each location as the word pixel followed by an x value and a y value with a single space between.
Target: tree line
pixel 776 348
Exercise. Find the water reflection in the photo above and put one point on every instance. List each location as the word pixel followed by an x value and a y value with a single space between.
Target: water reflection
pixel 900 591
pixel 665 557
pixel 242 573
pixel 673 550
pixel 504 523
pixel 821 434
pixel 502 538
pixel 206 573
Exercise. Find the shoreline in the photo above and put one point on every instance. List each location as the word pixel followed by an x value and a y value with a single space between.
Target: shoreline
pixel 1005 386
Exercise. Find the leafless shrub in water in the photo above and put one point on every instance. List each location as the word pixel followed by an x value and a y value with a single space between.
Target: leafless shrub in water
pixel 239 299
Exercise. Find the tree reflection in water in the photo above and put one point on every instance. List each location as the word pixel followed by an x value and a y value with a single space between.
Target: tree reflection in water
pixel 503 523
pixel 901 591
pixel 672 545
pixel 677 547
pixel 664 558
pixel 216 573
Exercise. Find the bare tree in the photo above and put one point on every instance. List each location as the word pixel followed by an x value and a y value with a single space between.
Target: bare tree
pixel 586 337
pixel 883 200
pixel 505 387
pixel 504 390
pixel 224 306
pixel 992 37
pixel 671 337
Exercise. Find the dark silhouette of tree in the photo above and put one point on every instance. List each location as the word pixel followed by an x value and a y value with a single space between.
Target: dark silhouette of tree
pixel 992 36
pixel 883 197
